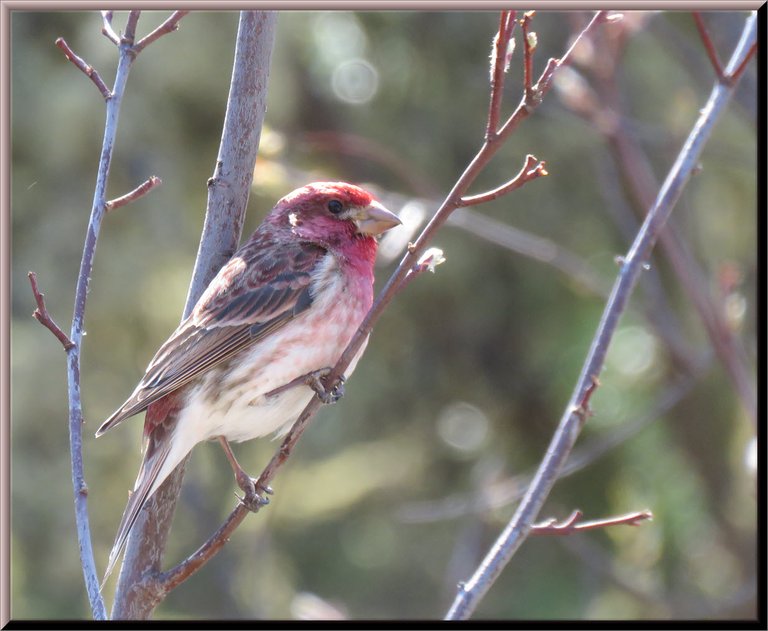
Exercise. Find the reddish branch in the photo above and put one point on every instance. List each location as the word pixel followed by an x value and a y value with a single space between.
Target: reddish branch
pixel 87 69
pixel 709 45
pixel 142 189
pixel 43 317
pixel 106 28
pixel 169 26
pixel 722 76
pixel 573 524
pixel 532 169
pixel 500 60
pixel 529 46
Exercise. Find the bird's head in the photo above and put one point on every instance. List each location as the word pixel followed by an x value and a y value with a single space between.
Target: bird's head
pixel 334 215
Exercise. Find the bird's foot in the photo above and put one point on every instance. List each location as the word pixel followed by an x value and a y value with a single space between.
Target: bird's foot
pixel 316 381
pixel 253 492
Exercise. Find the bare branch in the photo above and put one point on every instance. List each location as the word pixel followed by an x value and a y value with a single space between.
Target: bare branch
pixel 735 75
pixel 545 79
pixel 500 59
pixel 87 69
pixel 170 25
pixel 529 46
pixel 544 84
pixel 532 169
pixel 106 28
pixel 43 317
pixel 708 45
pixel 142 189
pixel 129 36
pixel 573 524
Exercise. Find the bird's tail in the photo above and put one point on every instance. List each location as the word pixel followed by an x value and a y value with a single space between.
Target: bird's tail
pixel 155 467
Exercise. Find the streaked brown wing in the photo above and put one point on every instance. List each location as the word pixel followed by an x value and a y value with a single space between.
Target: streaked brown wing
pixel 241 306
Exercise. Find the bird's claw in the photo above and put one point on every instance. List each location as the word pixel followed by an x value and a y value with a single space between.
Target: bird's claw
pixel 252 497
pixel 315 381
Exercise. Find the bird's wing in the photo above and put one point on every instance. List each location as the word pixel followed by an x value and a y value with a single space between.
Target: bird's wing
pixel 242 305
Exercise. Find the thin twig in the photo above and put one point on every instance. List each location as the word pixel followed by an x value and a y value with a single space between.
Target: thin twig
pixel 544 83
pixel 76 335
pixel 43 317
pixel 87 69
pixel 106 27
pixel 170 25
pixel 500 59
pixel 142 189
pixel 532 169
pixel 471 593
pixel 129 35
pixel 735 75
pixel 573 524
pixel 529 46
pixel 708 45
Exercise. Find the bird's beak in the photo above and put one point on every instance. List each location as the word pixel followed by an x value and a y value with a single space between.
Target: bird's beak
pixel 374 219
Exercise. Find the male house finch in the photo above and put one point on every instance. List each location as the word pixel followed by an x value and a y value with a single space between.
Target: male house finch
pixel 275 318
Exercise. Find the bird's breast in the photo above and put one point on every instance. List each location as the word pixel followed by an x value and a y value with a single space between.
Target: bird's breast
pixel 230 399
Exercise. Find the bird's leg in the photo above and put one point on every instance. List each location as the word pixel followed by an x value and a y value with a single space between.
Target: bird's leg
pixel 252 498
pixel 314 380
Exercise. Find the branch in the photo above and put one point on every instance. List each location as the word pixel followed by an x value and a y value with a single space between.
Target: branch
pixel 470 593
pixel 73 369
pixel 73 343
pixel 142 189
pixel 529 46
pixel 43 317
pixel 573 524
pixel 106 28
pixel 501 55
pixel 708 45
pixel 129 36
pixel 169 26
pixel 87 69
pixel 532 169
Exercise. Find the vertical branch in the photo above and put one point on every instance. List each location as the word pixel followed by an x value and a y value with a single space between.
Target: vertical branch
pixel 471 593
pixel 76 334
pixel 138 590
pixel 500 58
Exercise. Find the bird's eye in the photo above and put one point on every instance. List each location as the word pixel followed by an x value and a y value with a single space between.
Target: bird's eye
pixel 335 206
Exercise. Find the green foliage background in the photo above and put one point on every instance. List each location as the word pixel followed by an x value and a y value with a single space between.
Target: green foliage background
pixel 466 375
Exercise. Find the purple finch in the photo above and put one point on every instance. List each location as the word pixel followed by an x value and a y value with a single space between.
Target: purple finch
pixel 276 316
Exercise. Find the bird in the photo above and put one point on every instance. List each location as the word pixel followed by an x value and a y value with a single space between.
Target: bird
pixel 256 346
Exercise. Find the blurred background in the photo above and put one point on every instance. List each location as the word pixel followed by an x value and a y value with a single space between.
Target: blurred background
pixel 395 494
